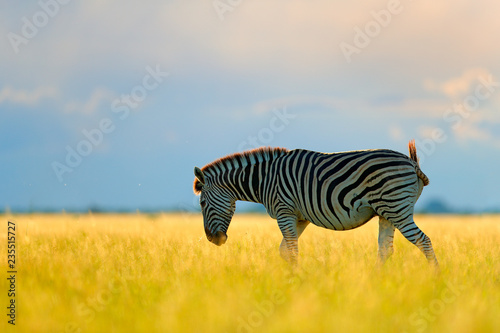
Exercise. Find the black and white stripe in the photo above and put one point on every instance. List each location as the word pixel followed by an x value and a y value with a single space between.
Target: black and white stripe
pixel 338 191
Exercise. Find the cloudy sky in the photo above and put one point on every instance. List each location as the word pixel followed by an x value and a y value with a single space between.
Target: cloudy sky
pixel 111 104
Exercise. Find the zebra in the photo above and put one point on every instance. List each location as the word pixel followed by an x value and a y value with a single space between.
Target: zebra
pixel 337 191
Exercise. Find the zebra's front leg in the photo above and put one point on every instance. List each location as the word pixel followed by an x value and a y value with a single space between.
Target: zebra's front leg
pixel 385 240
pixel 289 248
pixel 301 225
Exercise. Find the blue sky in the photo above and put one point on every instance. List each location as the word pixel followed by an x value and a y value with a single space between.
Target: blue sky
pixel 142 93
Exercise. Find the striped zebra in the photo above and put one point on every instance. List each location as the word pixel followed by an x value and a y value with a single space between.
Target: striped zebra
pixel 338 191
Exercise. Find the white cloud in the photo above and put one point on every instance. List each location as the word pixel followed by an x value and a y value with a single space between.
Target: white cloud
pixel 91 105
pixel 459 86
pixel 476 129
pixel 396 133
pixel 298 101
pixel 283 39
pixel 428 132
pixel 424 108
pixel 26 97
pixel 467 133
pixel 35 96
pixel 281 47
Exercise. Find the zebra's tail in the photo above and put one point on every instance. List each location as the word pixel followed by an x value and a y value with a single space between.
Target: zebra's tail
pixel 413 156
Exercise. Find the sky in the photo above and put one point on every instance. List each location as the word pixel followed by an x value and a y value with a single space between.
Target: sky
pixel 112 104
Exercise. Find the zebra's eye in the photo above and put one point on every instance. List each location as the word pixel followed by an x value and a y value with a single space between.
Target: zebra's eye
pixel 203 203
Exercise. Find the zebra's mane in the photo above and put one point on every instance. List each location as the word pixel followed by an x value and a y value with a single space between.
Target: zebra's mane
pixel 241 159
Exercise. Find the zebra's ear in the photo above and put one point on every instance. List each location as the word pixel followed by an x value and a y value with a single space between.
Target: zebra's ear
pixel 199 175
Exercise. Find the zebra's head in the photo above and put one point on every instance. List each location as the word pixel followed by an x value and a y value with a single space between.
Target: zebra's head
pixel 216 205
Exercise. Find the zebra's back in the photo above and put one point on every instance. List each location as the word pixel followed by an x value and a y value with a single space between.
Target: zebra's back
pixel 344 190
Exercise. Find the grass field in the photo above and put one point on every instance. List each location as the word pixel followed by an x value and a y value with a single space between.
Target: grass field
pixel 159 273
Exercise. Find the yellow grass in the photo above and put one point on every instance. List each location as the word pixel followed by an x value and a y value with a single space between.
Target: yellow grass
pixel 158 273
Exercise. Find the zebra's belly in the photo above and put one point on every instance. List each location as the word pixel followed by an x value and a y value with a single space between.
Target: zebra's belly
pixel 356 217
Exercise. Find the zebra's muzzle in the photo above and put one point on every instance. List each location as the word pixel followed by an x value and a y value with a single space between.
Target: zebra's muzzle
pixel 219 238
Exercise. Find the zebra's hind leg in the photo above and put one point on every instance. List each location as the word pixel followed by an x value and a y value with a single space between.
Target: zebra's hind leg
pixel 385 240
pixel 413 233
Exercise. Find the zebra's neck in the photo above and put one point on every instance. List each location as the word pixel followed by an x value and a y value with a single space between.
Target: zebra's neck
pixel 242 174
